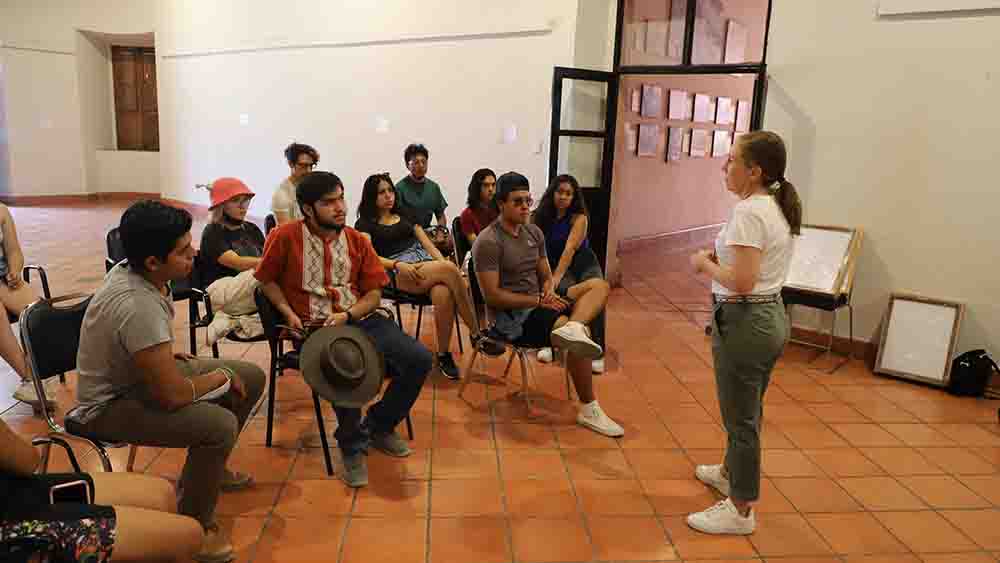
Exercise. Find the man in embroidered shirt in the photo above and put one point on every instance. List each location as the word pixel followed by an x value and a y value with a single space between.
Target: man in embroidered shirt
pixel 319 270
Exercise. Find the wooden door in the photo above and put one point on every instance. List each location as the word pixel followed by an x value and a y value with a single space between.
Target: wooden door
pixel 134 71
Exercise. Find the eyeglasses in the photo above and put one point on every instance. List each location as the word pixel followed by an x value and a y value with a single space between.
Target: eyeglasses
pixel 305 165
pixel 519 201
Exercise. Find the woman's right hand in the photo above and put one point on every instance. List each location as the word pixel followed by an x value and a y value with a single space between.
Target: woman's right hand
pixel 409 272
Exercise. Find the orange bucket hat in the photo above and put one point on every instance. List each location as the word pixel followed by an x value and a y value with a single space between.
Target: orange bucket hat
pixel 225 189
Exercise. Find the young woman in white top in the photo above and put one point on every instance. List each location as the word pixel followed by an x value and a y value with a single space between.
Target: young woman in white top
pixel 749 330
pixel 301 161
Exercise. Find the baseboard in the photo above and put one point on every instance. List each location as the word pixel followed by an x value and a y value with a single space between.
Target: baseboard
pixel 841 345
pixel 70 199
pixel 687 238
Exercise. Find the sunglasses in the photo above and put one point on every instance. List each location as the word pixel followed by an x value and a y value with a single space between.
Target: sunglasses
pixel 519 201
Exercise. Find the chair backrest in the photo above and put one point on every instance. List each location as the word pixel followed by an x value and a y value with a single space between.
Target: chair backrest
pixel 196 280
pixel 269 223
pixel 477 294
pixel 462 246
pixel 269 316
pixel 50 333
pixel 115 247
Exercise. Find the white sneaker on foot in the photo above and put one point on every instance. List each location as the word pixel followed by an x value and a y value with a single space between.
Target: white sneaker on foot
pixel 575 338
pixel 723 518
pixel 26 392
pixel 712 476
pixel 592 416
pixel 597 366
pixel 544 355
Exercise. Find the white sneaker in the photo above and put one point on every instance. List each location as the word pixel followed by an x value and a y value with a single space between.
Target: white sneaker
pixel 712 476
pixel 26 392
pixel 592 416
pixel 597 366
pixel 544 355
pixel 723 518
pixel 574 338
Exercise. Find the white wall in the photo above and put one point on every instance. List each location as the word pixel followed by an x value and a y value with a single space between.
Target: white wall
pixel 892 125
pixel 93 64
pixel 450 74
pixel 127 171
pixel 51 133
pixel 4 149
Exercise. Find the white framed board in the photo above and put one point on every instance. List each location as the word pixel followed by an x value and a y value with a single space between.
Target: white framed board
pixel 823 259
pixel 918 338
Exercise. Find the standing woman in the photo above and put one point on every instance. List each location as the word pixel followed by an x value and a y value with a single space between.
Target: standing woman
pixel 749 330
pixel 562 216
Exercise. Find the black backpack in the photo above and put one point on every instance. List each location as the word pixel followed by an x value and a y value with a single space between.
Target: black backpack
pixel 970 373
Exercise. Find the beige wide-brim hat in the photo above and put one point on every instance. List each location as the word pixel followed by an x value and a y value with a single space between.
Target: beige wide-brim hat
pixel 342 365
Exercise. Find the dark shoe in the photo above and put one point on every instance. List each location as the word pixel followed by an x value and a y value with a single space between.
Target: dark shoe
pixel 446 364
pixel 489 343
pixel 390 443
pixel 235 481
pixel 355 470
pixel 216 547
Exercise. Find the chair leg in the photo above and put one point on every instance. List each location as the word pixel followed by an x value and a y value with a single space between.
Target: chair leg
pixel 193 338
pixel 466 377
pixel 132 450
pixel 399 315
pixel 510 360
pixel 105 459
pixel 569 389
pixel 458 333
pixel 271 388
pixel 215 350
pixel 43 463
pixel 850 318
pixel 62 378
pixel 322 435
pixel 420 320
pixel 409 427
pixel 523 360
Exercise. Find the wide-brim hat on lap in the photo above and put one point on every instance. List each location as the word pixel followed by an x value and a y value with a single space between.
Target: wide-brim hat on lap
pixel 341 364
pixel 225 189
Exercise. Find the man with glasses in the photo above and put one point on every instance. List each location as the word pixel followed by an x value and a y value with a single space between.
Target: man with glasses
pixel 512 268
pixel 301 160
pixel 420 195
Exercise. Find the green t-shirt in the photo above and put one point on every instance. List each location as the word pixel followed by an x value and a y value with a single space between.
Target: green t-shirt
pixel 422 200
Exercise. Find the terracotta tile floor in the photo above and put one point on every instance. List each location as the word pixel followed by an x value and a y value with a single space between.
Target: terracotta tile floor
pixel 856 467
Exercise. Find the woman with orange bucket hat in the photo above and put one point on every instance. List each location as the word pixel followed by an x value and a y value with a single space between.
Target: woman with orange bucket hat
pixel 231 248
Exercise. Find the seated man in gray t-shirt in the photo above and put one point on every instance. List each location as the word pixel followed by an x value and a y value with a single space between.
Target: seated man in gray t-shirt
pixel 514 276
pixel 134 388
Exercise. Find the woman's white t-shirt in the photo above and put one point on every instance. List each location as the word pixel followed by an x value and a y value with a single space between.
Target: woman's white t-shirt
pixel 757 221
pixel 284 201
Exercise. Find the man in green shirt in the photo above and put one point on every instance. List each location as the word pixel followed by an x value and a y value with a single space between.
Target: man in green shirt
pixel 420 195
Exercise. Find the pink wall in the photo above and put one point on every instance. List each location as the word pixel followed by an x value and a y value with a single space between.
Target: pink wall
pixel 651 196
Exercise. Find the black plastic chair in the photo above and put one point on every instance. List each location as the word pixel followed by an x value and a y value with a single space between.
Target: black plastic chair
pixel 462 246
pixel 280 361
pixel 51 337
pixel 269 223
pixel 202 321
pixel 521 352
pixel 46 294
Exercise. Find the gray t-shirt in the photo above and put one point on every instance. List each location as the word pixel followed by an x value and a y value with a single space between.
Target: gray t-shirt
pixel 515 257
pixel 127 314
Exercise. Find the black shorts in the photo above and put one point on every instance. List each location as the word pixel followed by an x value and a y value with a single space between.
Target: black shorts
pixel 538 328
